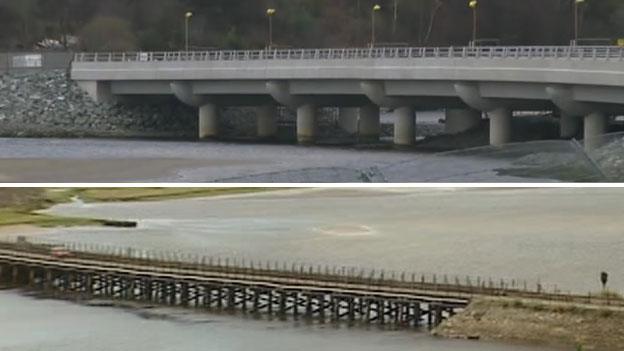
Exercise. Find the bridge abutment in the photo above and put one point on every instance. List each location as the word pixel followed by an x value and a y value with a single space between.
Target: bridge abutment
pixel 306 124
pixel 267 122
pixel 461 120
pixel 99 91
pixel 369 124
pixel 208 121
pixel 500 126
pixel 595 126
pixel 405 126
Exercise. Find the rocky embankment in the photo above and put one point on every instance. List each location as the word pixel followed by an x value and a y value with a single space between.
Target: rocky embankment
pixel 48 104
pixel 584 327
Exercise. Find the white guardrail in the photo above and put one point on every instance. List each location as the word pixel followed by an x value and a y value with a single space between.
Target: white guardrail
pixel 518 52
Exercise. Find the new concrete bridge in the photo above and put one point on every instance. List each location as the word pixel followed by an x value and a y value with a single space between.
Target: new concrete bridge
pixel 582 84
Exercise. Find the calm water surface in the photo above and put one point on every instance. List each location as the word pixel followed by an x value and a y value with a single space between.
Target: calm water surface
pixel 28 324
pixel 562 237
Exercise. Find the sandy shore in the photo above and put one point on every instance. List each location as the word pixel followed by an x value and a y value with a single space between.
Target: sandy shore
pixel 22 229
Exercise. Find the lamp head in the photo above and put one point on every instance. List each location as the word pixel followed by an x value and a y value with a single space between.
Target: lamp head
pixel 376 8
pixel 271 12
pixel 579 1
pixel 473 4
pixel 188 14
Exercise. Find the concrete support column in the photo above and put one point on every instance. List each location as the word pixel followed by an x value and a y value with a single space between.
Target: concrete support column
pixel 306 124
pixel 369 124
pixel 461 120
pixel 208 121
pixel 267 121
pixel 348 119
pixel 569 126
pixel 405 126
pixel 500 126
pixel 595 126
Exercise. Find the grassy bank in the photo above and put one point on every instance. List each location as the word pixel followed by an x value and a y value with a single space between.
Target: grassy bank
pixel 572 326
pixel 20 206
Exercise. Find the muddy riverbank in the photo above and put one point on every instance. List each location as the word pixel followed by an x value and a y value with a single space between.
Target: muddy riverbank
pixel 570 326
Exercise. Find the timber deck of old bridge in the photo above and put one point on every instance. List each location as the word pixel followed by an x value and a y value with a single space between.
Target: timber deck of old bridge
pixel 299 292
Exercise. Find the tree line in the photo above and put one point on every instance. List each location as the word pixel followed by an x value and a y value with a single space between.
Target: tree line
pixel 236 24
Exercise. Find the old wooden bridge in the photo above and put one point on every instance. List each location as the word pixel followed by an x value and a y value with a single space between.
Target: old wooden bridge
pixel 288 292
pixel 244 290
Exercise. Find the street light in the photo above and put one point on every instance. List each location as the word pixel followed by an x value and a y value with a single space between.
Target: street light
pixel 270 13
pixel 376 9
pixel 474 5
pixel 187 19
pixel 577 4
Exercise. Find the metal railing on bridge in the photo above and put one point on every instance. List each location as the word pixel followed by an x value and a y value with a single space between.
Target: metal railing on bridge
pixel 494 52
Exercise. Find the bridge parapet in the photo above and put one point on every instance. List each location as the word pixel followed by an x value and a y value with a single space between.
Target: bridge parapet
pixel 530 52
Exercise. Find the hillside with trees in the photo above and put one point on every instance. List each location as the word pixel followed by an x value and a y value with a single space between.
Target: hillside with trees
pixel 235 24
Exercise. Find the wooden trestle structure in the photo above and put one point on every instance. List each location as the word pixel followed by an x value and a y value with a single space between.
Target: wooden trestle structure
pixel 247 292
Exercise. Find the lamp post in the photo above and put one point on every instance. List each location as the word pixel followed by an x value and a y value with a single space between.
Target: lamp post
pixel 474 5
pixel 187 39
pixel 270 13
pixel 376 9
pixel 577 5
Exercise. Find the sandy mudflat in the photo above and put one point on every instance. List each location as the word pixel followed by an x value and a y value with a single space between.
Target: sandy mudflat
pixel 22 229
pixel 100 170
pixel 105 160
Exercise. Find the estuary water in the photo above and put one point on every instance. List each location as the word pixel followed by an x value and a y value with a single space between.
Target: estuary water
pixel 28 324
pixel 561 238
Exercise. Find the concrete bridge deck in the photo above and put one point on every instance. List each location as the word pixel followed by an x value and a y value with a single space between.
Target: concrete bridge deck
pixel 296 291
pixel 469 82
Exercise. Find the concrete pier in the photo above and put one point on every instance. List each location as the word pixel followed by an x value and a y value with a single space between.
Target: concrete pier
pixel 595 126
pixel 369 123
pixel 306 124
pixel 267 121
pixel 405 126
pixel 500 126
pixel 569 126
pixel 461 120
pixel 208 121
pixel 348 119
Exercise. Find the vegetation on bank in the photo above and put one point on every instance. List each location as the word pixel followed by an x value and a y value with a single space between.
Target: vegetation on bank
pixel 234 24
pixel 559 324
pixel 21 206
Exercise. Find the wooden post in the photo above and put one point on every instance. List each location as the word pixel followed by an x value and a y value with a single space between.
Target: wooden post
pixel 295 306
pixel 48 280
pixel 31 277
pixel 282 302
pixel 308 311
pixel 244 299
pixel 184 294
pixel 231 298
pixel 417 315
pixel 351 310
pixel 88 284
pixel 15 275
pixel 256 301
